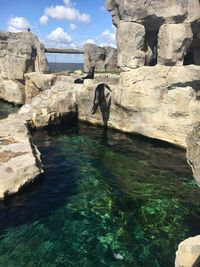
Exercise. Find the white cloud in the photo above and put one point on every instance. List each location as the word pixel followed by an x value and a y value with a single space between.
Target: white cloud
pixel 102 8
pixel 18 24
pixel 66 12
pixel 109 36
pixel 59 37
pixel 89 41
pixel 72 27
pixel 44 20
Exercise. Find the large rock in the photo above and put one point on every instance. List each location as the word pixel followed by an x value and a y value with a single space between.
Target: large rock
pixel 154 13
pixel 21 53
pixel 19 158
pixel 103 58
pixel 12 91
pixel 188 253
pixel 130 44
pixel 50 106
pixel 173 43
pixel 36 82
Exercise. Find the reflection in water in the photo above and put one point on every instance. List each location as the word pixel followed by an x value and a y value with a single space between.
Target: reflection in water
pixel 106 199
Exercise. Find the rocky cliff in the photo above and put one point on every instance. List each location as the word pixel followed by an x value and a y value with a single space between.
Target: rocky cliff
pixel 102 58
pixel 20 53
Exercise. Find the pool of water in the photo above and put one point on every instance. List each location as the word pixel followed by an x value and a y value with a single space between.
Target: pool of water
pixel 105 199
pixel 6 109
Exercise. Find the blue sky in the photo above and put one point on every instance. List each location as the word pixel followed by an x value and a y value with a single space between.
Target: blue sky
pixel 60 23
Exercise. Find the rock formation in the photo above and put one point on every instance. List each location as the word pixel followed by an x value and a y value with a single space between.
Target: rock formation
pixel 169 29
pixel 102 58
pixel 20 53
pixel 19 159
pixel 188 253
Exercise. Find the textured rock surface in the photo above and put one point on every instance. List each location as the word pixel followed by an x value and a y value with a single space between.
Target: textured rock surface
pixel 173 43
pixel 148 101
pixel 188 254
pixel 12 91
pixel 156 28
pixel 50 106
pixel 103 58
pixel 154 13
pixel 130 43
pixel 36 82
pixel 193 152
pixel 19 158
pixel 21 53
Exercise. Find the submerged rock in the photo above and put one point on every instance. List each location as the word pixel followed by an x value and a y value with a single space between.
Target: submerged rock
pixel 19 158
pixel 188 254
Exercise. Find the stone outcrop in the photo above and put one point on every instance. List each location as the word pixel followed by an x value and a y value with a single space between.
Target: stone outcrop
pixel 188 253
pixel 173 43
pixel 193 151
pixel 156 31
pixel 36 82
pixel 103 58
pixel 20 53
pixel 130 42
pixel 149 101
pixel 12 91
pixel 19 159
pixel 50 106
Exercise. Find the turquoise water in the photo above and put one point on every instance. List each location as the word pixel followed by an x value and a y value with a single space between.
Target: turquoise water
pixel 106 199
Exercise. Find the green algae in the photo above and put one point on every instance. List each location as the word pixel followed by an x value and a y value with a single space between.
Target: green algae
pixel 124 212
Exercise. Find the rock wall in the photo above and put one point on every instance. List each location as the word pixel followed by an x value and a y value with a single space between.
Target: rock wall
pixel 103 58
pixel 19 159
pixel 20 53
pixel 167 30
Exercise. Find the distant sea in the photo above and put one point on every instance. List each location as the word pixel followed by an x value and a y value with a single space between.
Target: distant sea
pixel 56 67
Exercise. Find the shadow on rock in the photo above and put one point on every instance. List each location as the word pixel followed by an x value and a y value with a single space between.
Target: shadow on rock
pixel 103 101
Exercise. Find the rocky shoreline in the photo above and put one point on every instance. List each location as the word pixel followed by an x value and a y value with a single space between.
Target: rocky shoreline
pixel 156 93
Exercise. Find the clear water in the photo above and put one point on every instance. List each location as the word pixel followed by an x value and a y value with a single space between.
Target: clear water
pixel 6 109
pixel 106 199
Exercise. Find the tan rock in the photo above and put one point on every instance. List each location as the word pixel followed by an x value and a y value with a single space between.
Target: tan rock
pixel 21 53
pixel 130 44
pixel 188 254
pixel 12 91
pixel 173 43
pixel 19 159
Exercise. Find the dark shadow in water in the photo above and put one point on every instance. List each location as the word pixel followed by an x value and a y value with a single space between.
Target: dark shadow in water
pixel 197 262
pixel 102 101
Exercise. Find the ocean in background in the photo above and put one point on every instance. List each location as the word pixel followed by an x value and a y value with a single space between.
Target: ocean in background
pixel 57 67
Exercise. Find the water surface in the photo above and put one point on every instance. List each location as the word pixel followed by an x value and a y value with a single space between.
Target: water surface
pixel 106 199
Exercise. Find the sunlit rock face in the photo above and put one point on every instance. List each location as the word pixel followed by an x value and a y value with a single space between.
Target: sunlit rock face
pixel 20 53
pixel 188 253
pixel 19 159
pixel 102 58
pixel 169 29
